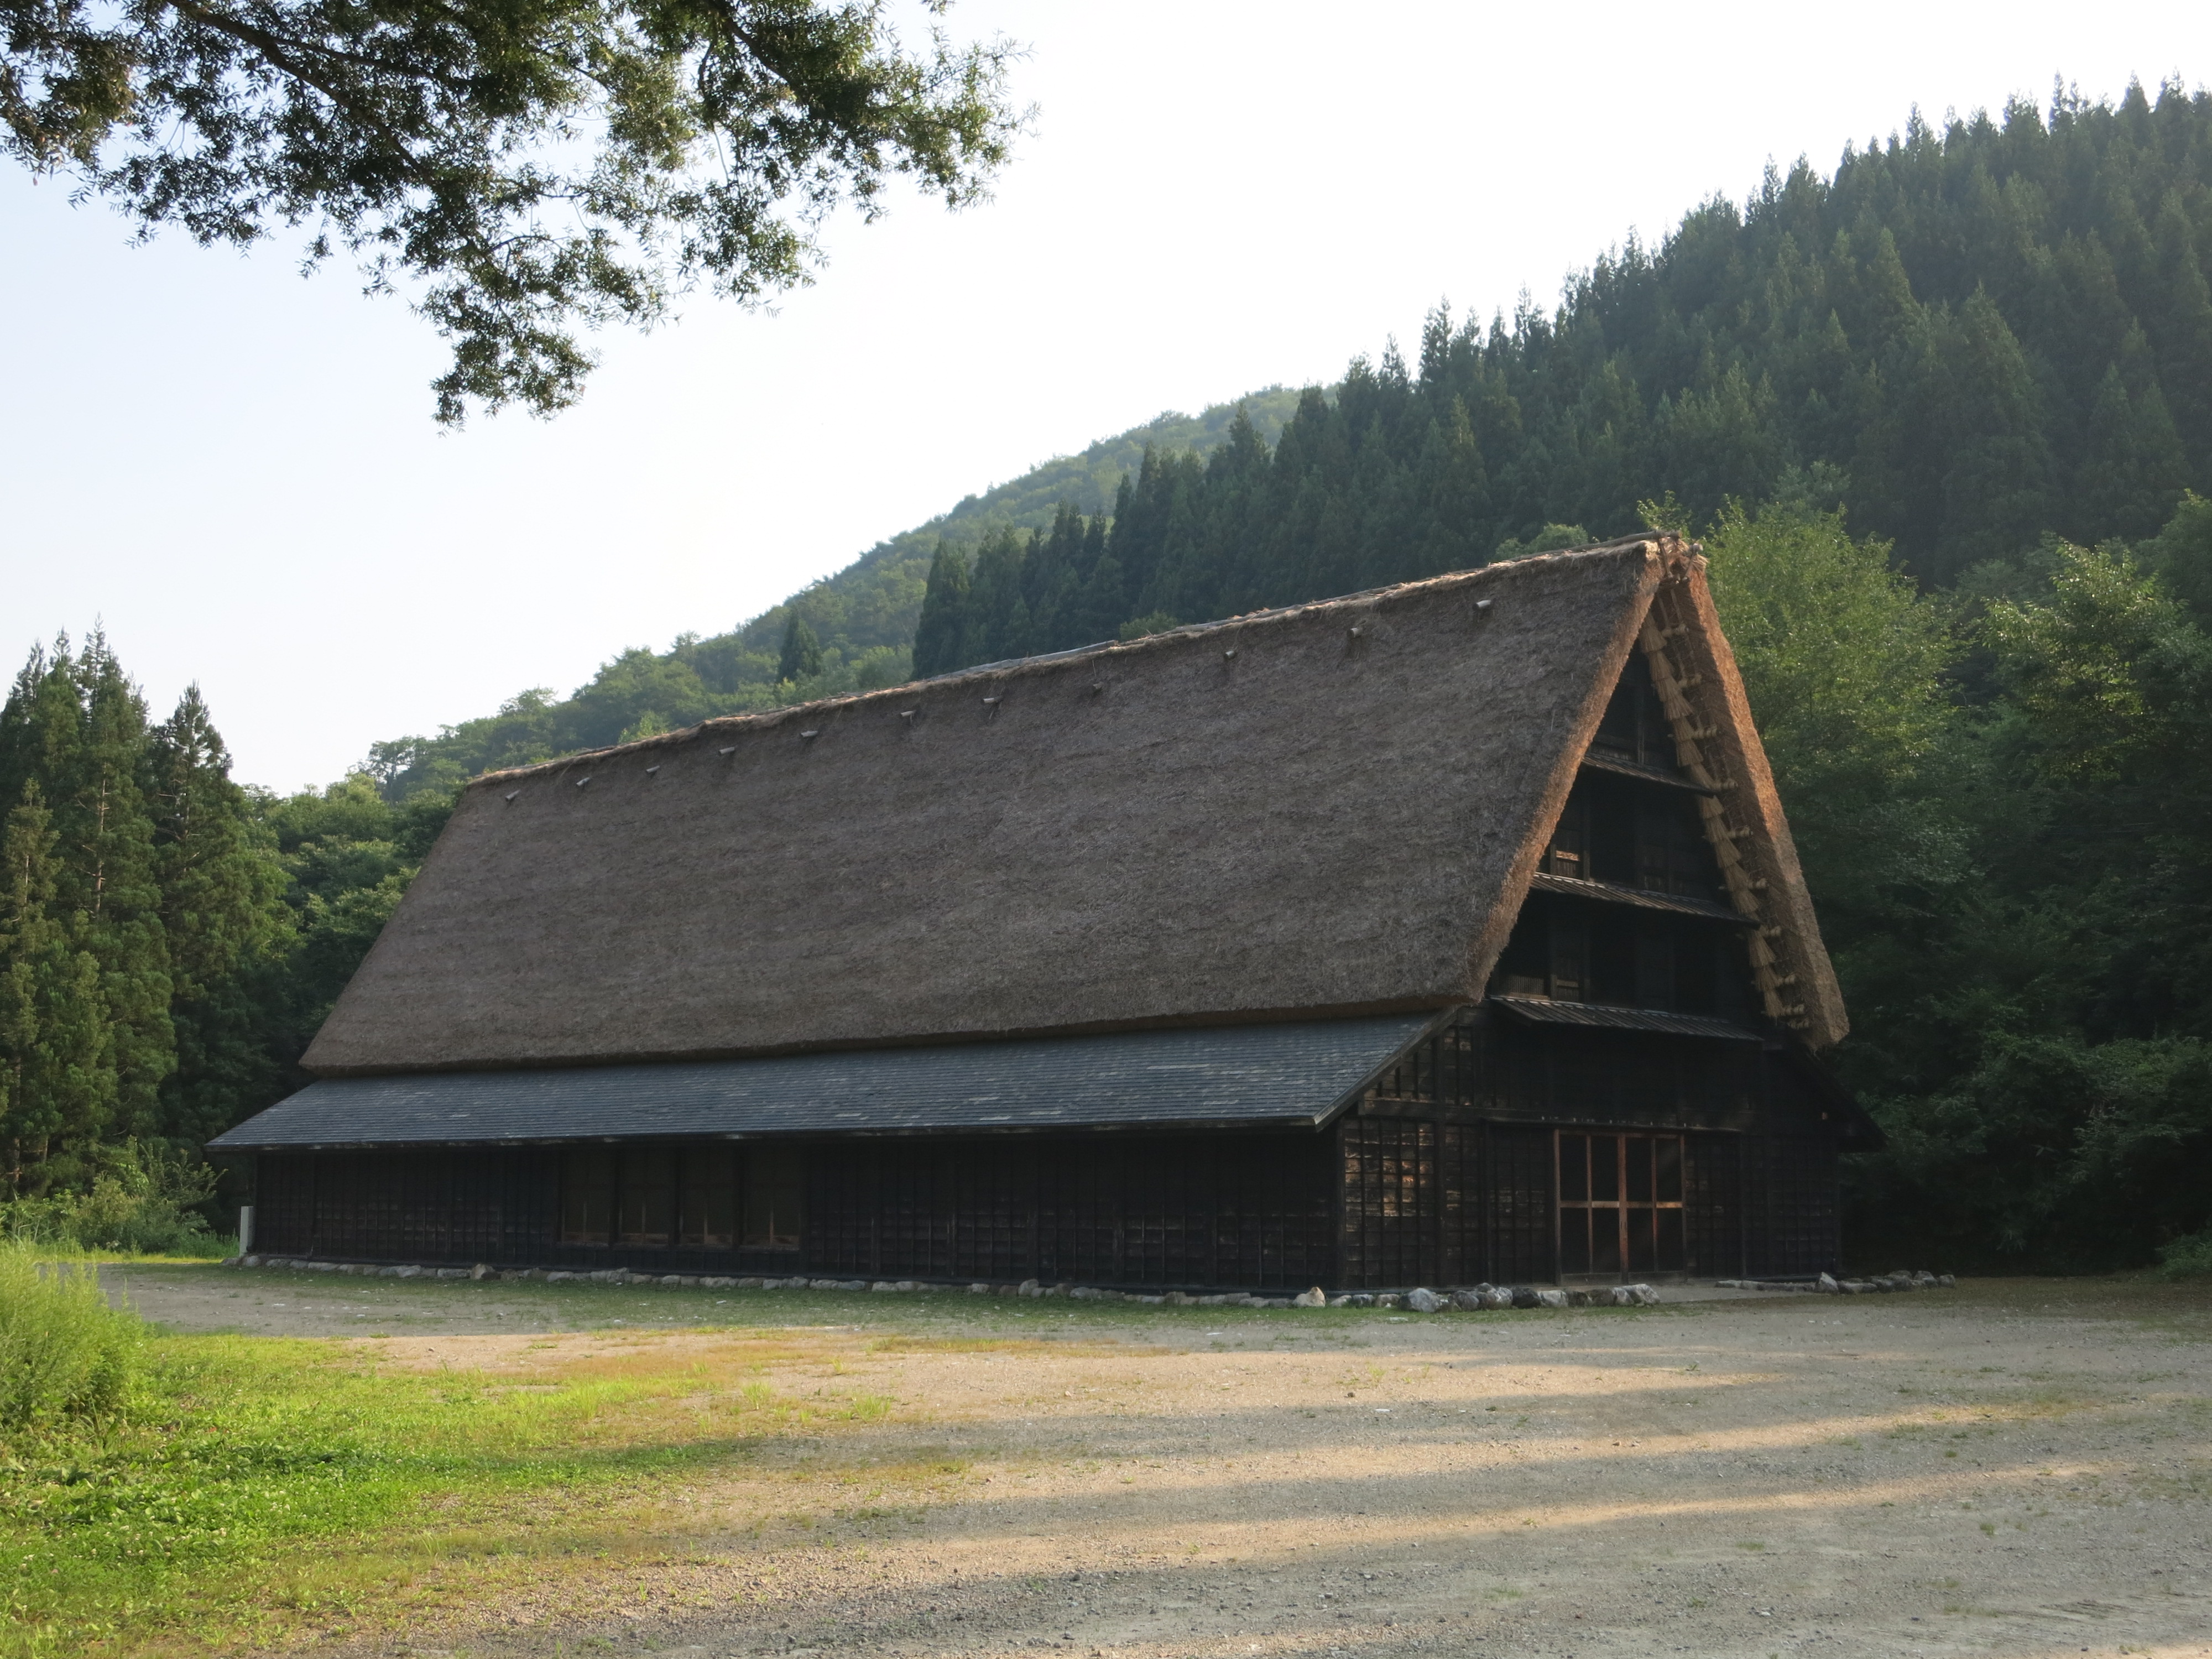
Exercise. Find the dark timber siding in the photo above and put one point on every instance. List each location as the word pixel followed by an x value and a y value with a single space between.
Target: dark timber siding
pixel 1449 1203
pixel 440 1205
pixel 1448 1162
pixel 1202 1210
pixel 1168 1212
pixel 1443 1174
pixel 1794 1223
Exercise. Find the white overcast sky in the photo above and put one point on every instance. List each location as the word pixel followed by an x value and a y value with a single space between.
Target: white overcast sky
pixel 236 469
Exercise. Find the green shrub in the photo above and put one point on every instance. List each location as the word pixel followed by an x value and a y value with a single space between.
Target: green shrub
pixel 1159 623
pixel 65 1355
pixel 143 1198
pixel 2189 1257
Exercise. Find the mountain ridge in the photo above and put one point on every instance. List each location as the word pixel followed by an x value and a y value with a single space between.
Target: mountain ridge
pixel 863 618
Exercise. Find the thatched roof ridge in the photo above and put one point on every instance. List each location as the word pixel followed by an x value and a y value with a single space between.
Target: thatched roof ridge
pixel 1103 650
pixel 1324 810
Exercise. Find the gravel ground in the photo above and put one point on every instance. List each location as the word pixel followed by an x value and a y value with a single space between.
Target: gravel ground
pixel 2015 1468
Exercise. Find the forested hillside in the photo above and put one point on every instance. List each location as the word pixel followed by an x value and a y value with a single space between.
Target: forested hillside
pixel 1938 415
pixel 1971 338
pixel 852 631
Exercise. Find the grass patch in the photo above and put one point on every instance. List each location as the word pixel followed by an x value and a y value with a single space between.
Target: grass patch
pixel 189 1518
pixel 66 1358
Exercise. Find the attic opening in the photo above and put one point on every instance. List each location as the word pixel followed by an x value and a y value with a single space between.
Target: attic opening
pixel 1635 725
pixel 1629 907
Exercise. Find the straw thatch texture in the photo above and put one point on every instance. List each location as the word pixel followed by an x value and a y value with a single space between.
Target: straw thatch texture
pixel 1269 816
pixel 1753 804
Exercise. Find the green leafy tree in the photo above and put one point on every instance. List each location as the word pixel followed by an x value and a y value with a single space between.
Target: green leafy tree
pixel 2181 557
pixel 1846 662
pixel 522 170
pixel 1848 666
pixel 348 855
pixel 2054 1112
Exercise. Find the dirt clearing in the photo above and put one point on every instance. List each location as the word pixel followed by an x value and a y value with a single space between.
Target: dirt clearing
pixel 2016 1468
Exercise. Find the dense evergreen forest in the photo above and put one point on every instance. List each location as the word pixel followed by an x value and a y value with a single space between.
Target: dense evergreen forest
pixel 1938 416
pixel 169 940
pixel 1970 338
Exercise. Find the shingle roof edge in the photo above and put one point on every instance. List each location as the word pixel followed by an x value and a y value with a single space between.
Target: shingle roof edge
pixel 1145 1080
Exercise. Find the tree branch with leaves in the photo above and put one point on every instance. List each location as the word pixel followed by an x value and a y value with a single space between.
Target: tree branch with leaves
pixel 525 170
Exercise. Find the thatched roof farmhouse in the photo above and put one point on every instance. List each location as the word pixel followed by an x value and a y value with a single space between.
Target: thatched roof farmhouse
pixel 1397 936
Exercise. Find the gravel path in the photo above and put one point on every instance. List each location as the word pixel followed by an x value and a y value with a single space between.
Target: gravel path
pixel 2014 1469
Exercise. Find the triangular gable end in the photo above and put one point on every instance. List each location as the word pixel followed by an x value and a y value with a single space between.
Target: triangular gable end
pixel 1677 642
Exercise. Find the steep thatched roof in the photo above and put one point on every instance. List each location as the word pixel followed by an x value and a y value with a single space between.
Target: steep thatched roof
pixel 1320 811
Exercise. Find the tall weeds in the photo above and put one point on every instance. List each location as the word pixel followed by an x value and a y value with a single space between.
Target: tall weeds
pixel 66 1358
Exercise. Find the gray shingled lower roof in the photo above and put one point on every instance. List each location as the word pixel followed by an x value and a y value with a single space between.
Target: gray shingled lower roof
pixel 1248 1076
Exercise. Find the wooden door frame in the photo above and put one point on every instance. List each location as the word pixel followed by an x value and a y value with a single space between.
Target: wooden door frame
pixel 1621 1204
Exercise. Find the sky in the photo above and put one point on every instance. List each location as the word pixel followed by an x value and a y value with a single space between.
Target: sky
pixel 234 471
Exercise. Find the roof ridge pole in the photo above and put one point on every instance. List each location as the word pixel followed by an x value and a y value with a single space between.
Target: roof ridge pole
pixel 1743 888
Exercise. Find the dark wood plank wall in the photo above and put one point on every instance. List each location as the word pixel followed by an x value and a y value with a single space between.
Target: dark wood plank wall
pixel 1443 1203
pixel 1442 1175
pixel 1403 1199
pixel 1447 1173
pixel 1490 1066
pixel 494 1204
pixel 1714 1220
pixel 1793 1214
pixel 1159 1211
pixel 1155 1212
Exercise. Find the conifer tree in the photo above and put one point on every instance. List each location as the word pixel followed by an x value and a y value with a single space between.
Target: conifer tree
pixel 802 651
pixel 110 877
pixel 2130 470
pixel 1987 416
pixel 225 924
pixel 2180 314
pixel 57 1078
pixel 75 728
pixel 939 636
pixel 998 615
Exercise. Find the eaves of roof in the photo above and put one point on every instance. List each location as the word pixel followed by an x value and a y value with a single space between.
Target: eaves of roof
pixel 1295 1075
pixel 1640 898
pixel 1597 760
pixel 1598 1016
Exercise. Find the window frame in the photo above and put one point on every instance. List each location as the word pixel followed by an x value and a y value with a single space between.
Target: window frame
pixel 1667 1219
pixel 612 1183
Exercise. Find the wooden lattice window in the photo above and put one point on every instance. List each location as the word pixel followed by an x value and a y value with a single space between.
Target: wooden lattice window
pixel 700 1198
pixel 1621 1203
pixel 1672 854
pixel 647 1215
pixel 773 1185
pixel 1570 852
pixel 1570 953
pixel 707 1205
